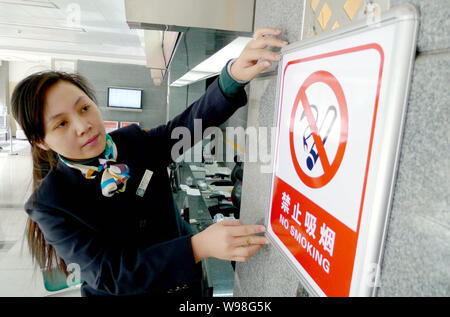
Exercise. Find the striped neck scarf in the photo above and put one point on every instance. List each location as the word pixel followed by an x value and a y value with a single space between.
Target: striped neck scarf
pixel 114 175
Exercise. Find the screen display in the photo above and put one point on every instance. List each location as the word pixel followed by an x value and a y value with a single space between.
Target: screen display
pixel 124 98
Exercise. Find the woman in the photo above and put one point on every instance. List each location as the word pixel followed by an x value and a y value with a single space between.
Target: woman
pixel 104 202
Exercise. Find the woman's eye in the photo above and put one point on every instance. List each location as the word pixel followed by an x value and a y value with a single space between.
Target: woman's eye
pixel 61 124
pixel 85 108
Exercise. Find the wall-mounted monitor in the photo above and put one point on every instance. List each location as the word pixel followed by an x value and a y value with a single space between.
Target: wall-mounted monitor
pixel 128 98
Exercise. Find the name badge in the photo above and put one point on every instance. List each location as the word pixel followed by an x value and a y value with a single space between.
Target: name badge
pixel 144 183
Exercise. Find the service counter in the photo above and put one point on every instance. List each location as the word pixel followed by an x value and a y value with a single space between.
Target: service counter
pixel 218 274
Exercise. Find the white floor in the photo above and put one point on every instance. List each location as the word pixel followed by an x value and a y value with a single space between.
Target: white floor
pixel 18 276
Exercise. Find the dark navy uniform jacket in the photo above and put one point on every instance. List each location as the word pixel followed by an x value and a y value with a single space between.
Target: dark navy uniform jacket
pixel 127 244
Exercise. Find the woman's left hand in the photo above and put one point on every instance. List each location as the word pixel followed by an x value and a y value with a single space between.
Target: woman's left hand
pixel 255 58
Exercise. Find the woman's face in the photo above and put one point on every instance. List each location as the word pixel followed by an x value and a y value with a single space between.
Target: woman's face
pixel 73 125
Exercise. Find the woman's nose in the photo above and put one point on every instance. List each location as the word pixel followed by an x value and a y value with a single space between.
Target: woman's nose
pixel 81 126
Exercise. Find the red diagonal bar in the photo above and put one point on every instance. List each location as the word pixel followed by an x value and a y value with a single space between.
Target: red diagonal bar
pixel 315 131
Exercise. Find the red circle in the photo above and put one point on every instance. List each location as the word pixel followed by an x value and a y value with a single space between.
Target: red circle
pixel 329 171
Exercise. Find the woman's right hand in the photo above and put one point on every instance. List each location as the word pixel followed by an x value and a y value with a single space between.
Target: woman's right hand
pixel 228 240
pixel 255 58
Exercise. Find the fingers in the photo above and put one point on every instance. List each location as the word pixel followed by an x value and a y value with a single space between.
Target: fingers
pixel 228 240
pixel 231 222
pixel 248 230
pixel 255 58
pixel 263 42
pixel 256 54
pixel 249 241
pixel 242 230
pixel 244 253
pixel 260 32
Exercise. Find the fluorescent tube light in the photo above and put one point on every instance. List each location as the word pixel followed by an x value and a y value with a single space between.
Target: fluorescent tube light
pixel 213 64
pixel 31 3
pixel 50 27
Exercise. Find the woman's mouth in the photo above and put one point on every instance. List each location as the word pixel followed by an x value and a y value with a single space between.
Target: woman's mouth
pixel 91 141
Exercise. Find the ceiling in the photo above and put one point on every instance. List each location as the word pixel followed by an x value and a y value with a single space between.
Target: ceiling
pixel 32 30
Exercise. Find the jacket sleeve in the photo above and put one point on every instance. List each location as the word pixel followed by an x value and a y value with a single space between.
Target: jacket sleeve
pixel 117 269
pixel 186 129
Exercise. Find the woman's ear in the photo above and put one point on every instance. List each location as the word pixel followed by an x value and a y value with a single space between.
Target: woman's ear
pixel 43 146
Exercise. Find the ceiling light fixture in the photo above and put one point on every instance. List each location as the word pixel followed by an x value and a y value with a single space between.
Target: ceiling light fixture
pixel 50 27
pixel 213 64
pixel 31 3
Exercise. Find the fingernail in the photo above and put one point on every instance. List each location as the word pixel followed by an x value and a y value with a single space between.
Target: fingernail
pixel 278 57
pixel 267 64
pixel 262 229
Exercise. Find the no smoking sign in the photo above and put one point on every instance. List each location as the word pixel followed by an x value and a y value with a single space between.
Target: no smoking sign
pixel 342 99
pixel 326 123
